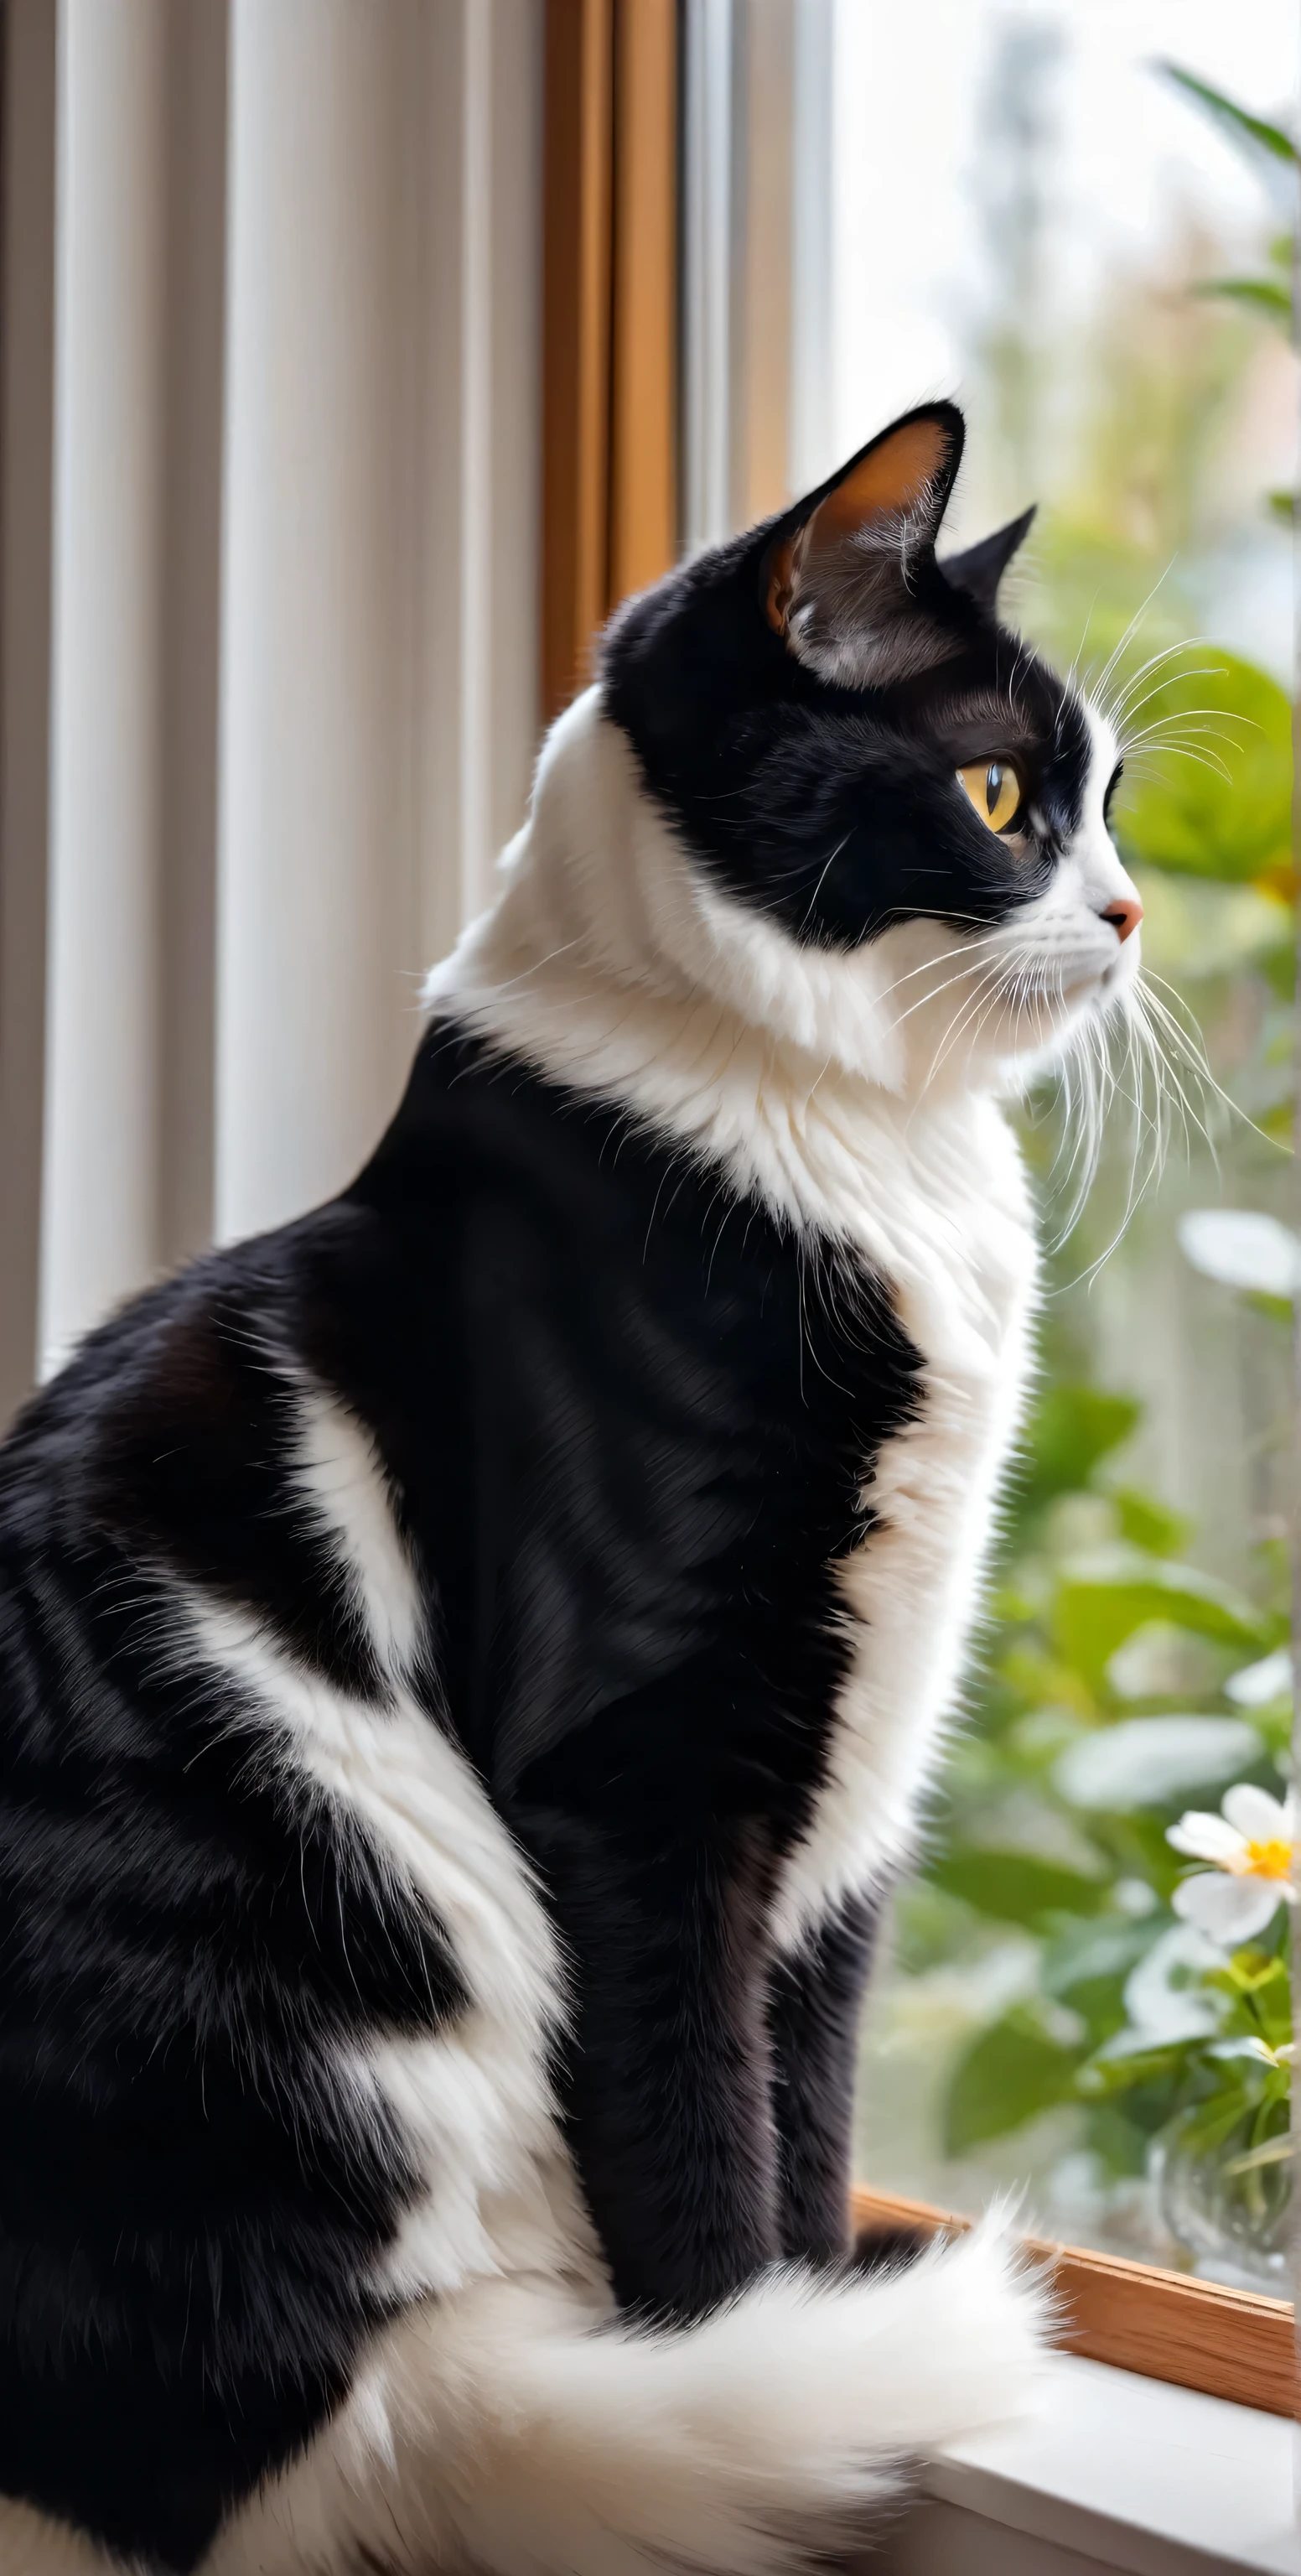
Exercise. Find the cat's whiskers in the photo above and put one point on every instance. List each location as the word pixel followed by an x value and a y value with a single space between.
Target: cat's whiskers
pixel 1192 727
pixel 954 958
pixel 1100 683
pixel 536 964
pixel 1190 1050
pixel 1122 698
pixel 1122 713
pixel 961 975
pixel 1160 1071
pixel 989 983
pixel 1188 733
pixel 1143 1173
pixel 969 1002
pixel 1099 1084
pixel 830 863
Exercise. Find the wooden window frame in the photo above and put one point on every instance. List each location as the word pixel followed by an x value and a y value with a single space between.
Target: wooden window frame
pixel 1197 2334
pixel 609 305
pixel 609 408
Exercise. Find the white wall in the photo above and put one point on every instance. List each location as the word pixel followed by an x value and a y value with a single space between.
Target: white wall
pixel 291 574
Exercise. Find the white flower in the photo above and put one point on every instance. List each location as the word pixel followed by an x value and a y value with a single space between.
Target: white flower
pixel 1252 1843
pixel 1259 2049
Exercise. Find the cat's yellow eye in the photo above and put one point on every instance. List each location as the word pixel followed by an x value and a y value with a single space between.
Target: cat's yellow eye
pixel 994 789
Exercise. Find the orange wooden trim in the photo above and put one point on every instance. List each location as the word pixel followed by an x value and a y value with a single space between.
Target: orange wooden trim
pixel 609 320
pixel 761 348
pixel 577 172
pixel 1230 2343
pixel 643 382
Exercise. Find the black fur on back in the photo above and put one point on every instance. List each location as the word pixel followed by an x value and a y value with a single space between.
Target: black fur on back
pixel 626 1417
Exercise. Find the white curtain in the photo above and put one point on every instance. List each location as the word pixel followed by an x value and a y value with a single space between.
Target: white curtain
pixel 268 707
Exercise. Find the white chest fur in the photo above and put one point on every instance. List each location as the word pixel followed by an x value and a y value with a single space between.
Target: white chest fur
pixel 958 1248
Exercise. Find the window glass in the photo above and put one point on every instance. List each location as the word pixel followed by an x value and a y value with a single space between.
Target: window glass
pixel 1077 218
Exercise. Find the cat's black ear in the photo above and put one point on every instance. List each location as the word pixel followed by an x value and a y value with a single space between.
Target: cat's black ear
pixel 840 573
pixel 980 570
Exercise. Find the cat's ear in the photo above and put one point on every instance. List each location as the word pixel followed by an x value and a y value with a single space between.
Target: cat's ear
pixel 840 573
pixel 980 570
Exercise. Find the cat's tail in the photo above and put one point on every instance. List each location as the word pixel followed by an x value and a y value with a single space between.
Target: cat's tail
pixel 508 2437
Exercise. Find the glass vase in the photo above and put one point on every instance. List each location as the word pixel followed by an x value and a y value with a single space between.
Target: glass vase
pixel 1227 2206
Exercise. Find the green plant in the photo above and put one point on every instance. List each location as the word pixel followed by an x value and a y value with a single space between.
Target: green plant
pixel 1084 1748
pixel 1122 1682
pixel 1050 2005
pixel 1270 151
pixel 1266 146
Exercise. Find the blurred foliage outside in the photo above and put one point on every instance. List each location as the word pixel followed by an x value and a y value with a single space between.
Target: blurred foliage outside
pixel 1047 2017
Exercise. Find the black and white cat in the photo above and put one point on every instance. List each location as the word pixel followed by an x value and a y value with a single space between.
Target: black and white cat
pixel 470 1661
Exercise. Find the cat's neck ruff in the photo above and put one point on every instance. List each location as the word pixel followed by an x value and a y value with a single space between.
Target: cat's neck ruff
pixel 611 963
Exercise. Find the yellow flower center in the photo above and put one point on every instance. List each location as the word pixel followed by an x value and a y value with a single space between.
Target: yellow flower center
pixel 1264 1860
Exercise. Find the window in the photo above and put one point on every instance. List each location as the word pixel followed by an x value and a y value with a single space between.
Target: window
pixel 1079 225
pixel 768 224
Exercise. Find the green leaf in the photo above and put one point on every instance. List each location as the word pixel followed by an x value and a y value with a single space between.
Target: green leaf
pixel 1231 819
pixel 1088 1964
pixel 1251 1966
pixel 1011 2071
pixel 1278 1309
pixel 1091 1952
pixel 1015 1886
pixel 1112 2072
pixel 1101 1602
pixel 1045 1681
pixel 1264 1986
pixel 1156 1761
pixel 1122 2142
pixel 1260 294
pixel 1215 2120
pixel 930 1927
pixel 1148 1524
pixel 1137 1848
pixel 1072 1428
pixel 1241 126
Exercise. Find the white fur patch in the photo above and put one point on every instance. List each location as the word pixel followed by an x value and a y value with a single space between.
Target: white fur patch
pixel 340 1478
pixel 498 2430
pixel 473 2102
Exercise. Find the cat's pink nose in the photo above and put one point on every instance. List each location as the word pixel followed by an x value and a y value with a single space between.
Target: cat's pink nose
pixel 1124 915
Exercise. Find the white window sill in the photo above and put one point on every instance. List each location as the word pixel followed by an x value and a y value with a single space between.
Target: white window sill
pixel 1116 2471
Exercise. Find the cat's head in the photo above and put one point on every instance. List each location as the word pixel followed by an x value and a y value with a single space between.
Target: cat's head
pixel 874 779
